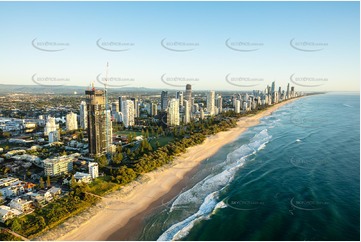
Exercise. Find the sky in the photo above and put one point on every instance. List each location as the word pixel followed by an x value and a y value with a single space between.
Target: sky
pixel 314 46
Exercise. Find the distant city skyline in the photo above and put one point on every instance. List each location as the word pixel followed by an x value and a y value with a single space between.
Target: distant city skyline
pixel 314 46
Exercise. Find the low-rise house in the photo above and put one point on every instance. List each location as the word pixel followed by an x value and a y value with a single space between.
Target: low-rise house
pixel 47 195
pixel 13 190
pixel 82 177
pixel 21 205
pixel 37 199
pixel 55 191
pixel 7 213
pixel 4 182
pixel 28 186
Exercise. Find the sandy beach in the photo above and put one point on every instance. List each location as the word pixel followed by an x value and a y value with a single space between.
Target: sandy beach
pixel 127 205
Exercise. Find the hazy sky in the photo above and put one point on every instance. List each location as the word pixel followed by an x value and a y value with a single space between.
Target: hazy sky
pixel 211 45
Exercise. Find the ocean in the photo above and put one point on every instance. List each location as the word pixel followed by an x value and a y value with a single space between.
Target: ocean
pixel 295 176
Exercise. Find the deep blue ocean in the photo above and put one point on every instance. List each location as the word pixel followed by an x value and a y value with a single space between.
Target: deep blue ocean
pixel 295 176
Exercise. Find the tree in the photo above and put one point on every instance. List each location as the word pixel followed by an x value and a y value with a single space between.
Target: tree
pixel 41 183
pixel 48 183
pixel 6 135
pixel 15 225
pixel 72 182
pixel 80 136
pixel 102 160
pixel 117 158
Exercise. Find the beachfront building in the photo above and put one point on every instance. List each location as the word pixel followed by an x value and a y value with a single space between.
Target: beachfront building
pixel 237 106
pixel 173 112
pixel 93 169
pixel 97 121
pixel 59 165
pixel 82 177
pixel 187 112
pixel 219 103
pixel 210 102
pixel 7 212
pixel 21 205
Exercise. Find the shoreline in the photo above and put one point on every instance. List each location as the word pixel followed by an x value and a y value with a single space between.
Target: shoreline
pixel 120 215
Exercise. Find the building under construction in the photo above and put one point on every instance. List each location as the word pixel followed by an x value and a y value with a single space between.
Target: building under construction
pixel 99 123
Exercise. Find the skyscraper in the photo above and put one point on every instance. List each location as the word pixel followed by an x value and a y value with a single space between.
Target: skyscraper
pixel 237 106
pixel 179 96
pixel 128 113
pixel 71 121
pixel 273 88
pixel 288 91
pixel 164 100
pixel 188 95
pixel 115 107
pixel 95 101
pixel 219 103
pixel 173 112
pixel 83 115
pixel 210 102
pixel 121 99
pixel 187 111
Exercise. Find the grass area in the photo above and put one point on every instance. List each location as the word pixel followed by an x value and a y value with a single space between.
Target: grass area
pixel 102 185
pixel 126 132
pixel 162 141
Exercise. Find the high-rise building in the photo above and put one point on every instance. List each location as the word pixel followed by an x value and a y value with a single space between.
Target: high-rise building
pixel 54 136
pixel 83 115
pixel 136 106
pixel 120 101
pixel 71 121
pixel 115 107
pixel 128 113
pixel 154 109
pixel 59 165
pixel 210 102
pixel 237 106
pixel 202 114
pixel 173 112
pixel 109 131
pixel 93 169
pixel 288 91
pixel 50 126
pixel 179 96
pixel 164 100
pixel 97 121
pixel 187 111
pixel 188 95
pixel 219 103
pixel 292 92
pixel 273 88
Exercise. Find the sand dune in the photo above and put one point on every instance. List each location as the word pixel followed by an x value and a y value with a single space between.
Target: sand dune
pixel 119 207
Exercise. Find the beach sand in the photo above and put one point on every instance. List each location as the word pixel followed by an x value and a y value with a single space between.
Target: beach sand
pixel 119 216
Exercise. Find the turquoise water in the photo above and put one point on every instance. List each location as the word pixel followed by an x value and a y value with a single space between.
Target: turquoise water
pixel 295 176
